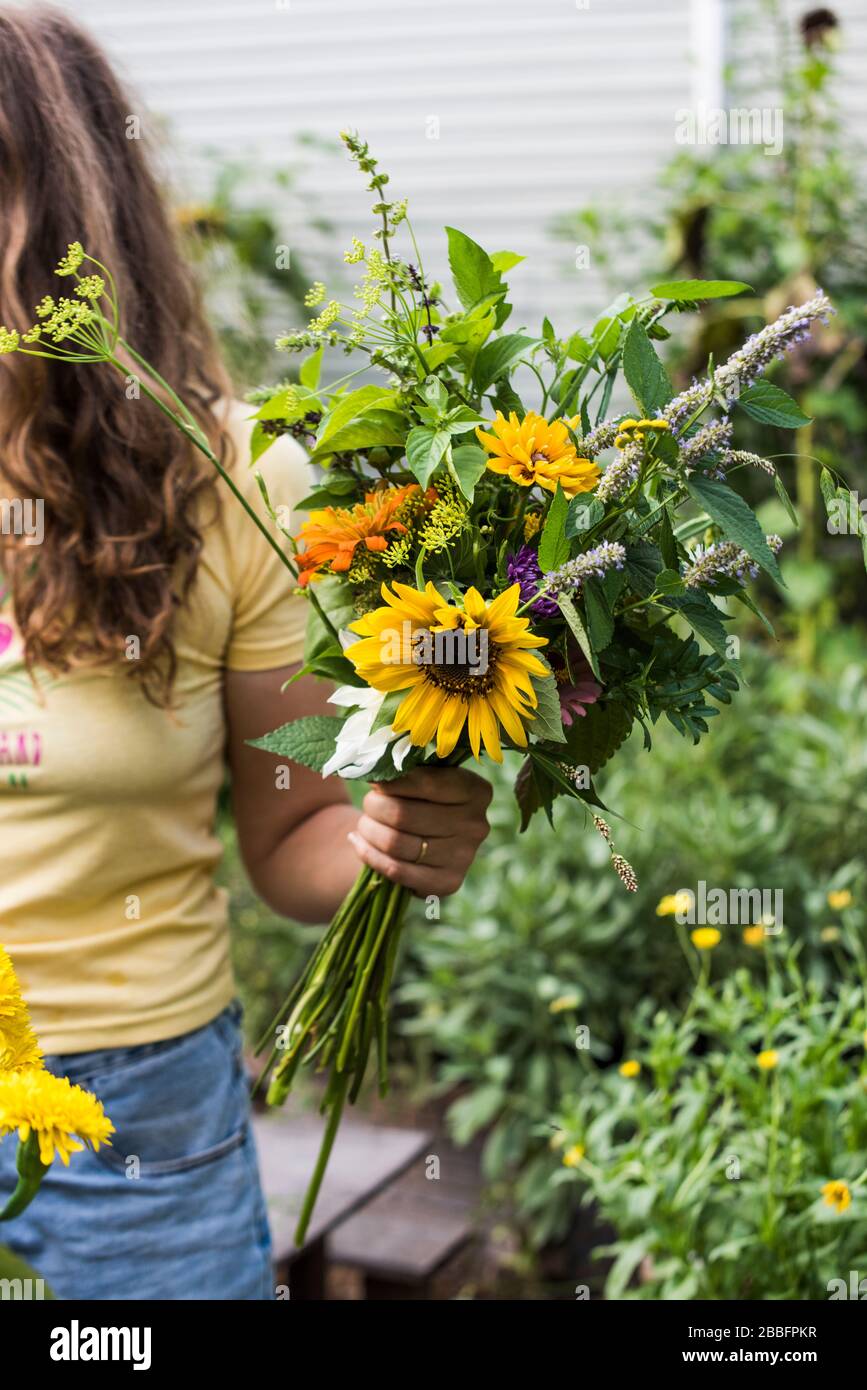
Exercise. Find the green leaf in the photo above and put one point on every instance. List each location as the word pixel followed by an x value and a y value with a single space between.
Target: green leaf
pixel 505 260
pixel 260 442
pixel 690 291
pixel 374 427
pixel 345 409
pixel 600 621
pixel 583 513
pixel 667 543
pixel 554 547
pixel 771 405
pixel 595 738
pixel 578 630
pixel 828 489
pixel 309 741
pixel 735 518
pixel 387 710
pixel 497 357
pixel 668 581
pixel 310 370
pixel 548 721
pixel 472 269
pixel 468 464
pixel 705 619
pixel 645 374
pixel 786 500
pixel 643 563
pixel 335 493
pixel 425 449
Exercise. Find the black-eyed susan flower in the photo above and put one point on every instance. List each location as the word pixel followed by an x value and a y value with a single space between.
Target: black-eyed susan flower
pixel 36 1102
pixel 705 938
pixel 767 1059
pixel 532 451
pixel 464 664
pixel 837 1195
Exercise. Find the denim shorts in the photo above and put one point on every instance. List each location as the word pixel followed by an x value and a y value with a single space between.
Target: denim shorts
pixel 174 1208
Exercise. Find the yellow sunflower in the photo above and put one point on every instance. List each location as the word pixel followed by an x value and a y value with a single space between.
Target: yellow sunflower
pixel 531 451
pixel 467 664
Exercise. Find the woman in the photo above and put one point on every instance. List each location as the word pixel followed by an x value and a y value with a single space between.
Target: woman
pixel 143 642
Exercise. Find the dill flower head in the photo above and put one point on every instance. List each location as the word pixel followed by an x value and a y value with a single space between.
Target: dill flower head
pixel 315 294
pixel 60 1114
pixel 9 340
pixel 447 517
pixel 68 264
pixel 532 451
pixel 837 1195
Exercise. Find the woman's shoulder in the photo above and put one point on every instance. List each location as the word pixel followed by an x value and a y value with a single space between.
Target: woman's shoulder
pixel 283 464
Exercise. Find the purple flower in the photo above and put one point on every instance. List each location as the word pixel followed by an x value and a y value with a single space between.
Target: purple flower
pixel 523 568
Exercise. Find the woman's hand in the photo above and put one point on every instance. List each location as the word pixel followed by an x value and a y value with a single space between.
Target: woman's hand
pixel 423 830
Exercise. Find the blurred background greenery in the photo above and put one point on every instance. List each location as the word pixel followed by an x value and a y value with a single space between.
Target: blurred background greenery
pixel 544 940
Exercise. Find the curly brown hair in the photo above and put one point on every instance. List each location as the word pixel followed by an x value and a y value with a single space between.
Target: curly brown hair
pixel 122 490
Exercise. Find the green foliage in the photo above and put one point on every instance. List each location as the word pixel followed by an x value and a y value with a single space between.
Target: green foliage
pixel 773 798
pixel 710 1166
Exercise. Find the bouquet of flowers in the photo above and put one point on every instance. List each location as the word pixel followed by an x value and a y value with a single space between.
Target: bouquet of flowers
pixel 494 562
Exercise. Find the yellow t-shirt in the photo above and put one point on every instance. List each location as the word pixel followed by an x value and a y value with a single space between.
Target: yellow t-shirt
pixel 108 905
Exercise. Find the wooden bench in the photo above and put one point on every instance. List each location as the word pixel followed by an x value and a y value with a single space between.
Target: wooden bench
pixel 365 1160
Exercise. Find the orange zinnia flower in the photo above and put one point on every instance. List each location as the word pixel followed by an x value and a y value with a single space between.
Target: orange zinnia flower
pixel 331 535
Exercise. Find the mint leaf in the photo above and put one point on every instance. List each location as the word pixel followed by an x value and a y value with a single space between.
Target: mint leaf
pixel 771 405
pixel 647 378
pixel 309 741
pixel 690 291
pixel 735 518
pixel 554 547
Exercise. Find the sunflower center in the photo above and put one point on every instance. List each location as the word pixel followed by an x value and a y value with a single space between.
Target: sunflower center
pixel 457 661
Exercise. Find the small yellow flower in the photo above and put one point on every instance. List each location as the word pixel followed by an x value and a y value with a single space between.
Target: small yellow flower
pixel 829 934
pixel 563 1002
pixel 630 1068
pixel 837 1195
pixel 768 1059
pixel 839 898
pixel 59 1113
pixel 754 936
pixel 69 263
pixel 705 938
pixel 674 902
pixel 573 1156
pixel 315 294
pixel 355 252
pixel 91 287
pixel 9 340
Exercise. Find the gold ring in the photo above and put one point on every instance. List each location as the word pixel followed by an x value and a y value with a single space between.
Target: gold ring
pixel 422 851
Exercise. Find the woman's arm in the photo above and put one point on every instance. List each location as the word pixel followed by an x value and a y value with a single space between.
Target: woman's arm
pixel 301 844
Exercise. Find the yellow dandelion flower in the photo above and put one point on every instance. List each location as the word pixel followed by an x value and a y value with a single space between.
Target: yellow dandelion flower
pixel 754 936
pixel 839 898
pixel 563 1002
pixel 767 1059
pixel 837 1195
pixel 705 938
pixel 411 644
pixel 573 1156
pixel 630 1068
pixel 674 902
pixel 37 1102
pixel 532 451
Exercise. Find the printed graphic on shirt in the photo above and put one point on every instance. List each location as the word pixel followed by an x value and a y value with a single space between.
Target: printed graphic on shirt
pixel 20 741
